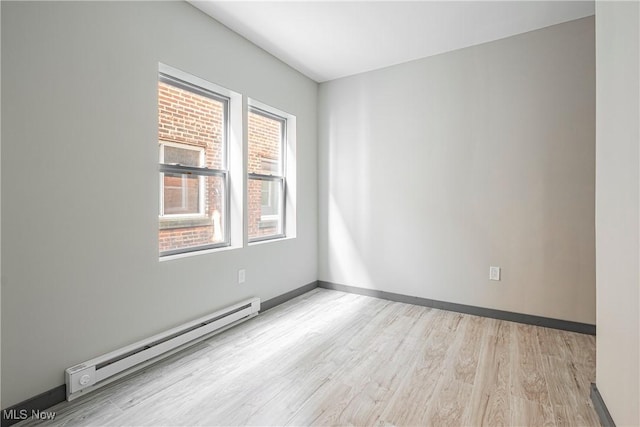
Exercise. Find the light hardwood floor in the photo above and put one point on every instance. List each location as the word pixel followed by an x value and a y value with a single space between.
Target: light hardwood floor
pixel 332 358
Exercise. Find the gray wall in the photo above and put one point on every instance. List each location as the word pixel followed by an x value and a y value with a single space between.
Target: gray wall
pixel 81 274
pixel 433 170
pixel 617 210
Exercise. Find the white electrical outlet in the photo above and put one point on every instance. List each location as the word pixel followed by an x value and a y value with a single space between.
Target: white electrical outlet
pixel 494 273
pixel 241 276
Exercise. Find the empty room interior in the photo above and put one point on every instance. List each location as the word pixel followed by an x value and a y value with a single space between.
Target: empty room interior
pixel 421 213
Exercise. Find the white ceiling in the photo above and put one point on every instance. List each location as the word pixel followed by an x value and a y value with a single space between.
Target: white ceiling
pixel 326 40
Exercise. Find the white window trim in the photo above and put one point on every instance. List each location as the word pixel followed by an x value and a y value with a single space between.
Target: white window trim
pixel 234 166
pixel 289 172
pixel 201 189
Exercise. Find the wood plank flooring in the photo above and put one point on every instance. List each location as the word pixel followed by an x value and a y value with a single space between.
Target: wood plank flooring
pixel 332 358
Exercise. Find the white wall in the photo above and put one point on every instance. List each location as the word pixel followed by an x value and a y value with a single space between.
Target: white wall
pixel 617 210
pixel 433 170
pixel 81 273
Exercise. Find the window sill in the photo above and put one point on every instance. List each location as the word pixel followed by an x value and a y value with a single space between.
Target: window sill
pixel 275 239
pixel 196 253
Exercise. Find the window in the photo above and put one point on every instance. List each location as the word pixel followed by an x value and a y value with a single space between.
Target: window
pixel 267 172
pixel 202 175
pixel 193 144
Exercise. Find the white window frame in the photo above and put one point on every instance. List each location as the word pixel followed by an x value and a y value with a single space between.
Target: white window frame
pixel 201 189
pixel 233 134
pixel 288 172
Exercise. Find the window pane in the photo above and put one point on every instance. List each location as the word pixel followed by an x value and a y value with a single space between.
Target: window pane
pixel 204 228
pixel 182 194
pixel 265 144
pixel 265 208
pixel 192 119
pixel 181 156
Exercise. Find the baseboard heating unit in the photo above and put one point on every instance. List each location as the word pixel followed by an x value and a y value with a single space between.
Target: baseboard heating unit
pixel 92 374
